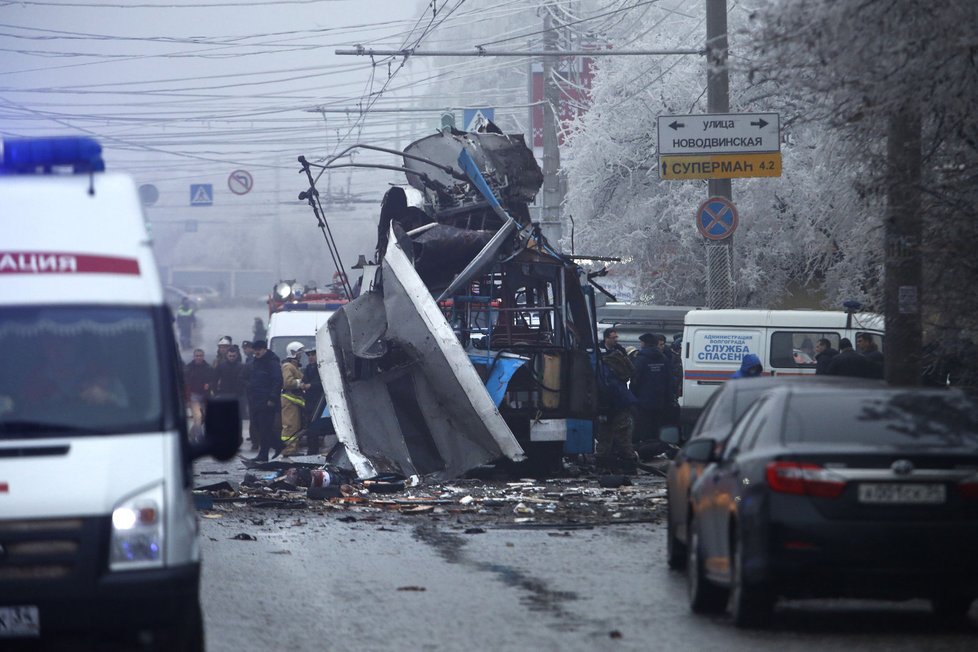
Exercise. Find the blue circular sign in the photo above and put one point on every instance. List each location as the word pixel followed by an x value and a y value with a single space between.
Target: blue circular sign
pixel 716 218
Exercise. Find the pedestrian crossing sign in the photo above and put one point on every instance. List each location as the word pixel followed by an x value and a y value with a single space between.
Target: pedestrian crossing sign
pixel 476 118
pixel 201 194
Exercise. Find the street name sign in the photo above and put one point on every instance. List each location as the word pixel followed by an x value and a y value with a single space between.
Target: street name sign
pixel 719 133
pixel 720 166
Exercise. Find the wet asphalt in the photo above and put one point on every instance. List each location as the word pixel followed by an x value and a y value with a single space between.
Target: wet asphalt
pixel 316 577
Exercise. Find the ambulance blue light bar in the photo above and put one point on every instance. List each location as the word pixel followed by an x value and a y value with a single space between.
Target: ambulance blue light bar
pixel 32 155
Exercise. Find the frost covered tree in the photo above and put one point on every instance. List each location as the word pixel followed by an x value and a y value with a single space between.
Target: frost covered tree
pixel 880 75
pixel 792 236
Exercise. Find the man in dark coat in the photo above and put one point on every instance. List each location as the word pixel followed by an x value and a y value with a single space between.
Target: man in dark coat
pixel 264 398
pixel 609 342
pixel 850 363
pixel 652 386
pixel 198 380
pixel 312 386
pixel 869 350
pixel 229 377
pixel 823 355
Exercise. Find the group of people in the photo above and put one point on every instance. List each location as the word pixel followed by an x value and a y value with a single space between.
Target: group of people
pixel 278 397
pixel 867 362
pixel 638 393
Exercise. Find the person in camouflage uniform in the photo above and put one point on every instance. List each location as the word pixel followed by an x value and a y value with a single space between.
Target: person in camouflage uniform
pixel 614 449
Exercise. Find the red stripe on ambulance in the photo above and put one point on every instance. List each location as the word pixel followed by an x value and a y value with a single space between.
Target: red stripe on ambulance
pixel 15 262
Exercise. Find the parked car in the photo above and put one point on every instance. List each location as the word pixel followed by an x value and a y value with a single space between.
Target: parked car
pixel 203 295
pixel 716 421
pixel 828 491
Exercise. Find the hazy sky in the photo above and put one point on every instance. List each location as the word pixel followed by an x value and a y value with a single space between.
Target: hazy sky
pixel 179 88
pixel 183 92
pixel 186 92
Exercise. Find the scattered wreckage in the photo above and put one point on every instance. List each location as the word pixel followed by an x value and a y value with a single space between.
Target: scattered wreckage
pixel 469 338
pixel 562 504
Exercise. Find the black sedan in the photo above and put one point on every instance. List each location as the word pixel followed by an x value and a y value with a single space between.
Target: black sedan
pixel 716 422
pixel 828 491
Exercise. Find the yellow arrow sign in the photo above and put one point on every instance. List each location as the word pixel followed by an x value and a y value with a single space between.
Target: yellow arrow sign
pixel 720 166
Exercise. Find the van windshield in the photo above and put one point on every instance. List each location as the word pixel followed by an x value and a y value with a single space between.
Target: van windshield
pixel 78 370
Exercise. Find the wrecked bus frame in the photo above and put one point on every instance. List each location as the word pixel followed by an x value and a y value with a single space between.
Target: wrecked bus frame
pixel 470 337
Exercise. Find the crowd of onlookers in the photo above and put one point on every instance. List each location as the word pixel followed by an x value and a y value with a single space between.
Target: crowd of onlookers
pixel 279 398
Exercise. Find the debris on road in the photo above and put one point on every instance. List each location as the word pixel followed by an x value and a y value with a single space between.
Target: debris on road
pixel 565 503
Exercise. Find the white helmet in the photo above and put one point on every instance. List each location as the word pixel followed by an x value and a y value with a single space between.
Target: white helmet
pixel 294 349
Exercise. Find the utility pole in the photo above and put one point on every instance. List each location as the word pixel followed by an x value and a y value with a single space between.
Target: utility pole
pixel 719 282
pixel 553 199
pixel 903 233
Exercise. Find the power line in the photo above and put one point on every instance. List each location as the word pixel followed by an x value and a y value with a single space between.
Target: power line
pixel 482 52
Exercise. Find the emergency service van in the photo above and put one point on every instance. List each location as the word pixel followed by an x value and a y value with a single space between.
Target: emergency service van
pixel 296 317
pixel 716 341
pixel 98 533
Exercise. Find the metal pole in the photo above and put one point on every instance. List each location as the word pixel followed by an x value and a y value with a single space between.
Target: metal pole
pixel 719 288
pixel 552 200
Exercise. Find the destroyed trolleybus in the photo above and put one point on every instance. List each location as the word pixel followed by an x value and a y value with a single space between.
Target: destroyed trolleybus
pixel 470 337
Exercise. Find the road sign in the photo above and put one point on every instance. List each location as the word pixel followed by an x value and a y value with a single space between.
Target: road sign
pixel 475 118
pixel 148 194
pixel 716 218
pixel 201 194
pixel 719 133
pixel 240 182
pixel 720 166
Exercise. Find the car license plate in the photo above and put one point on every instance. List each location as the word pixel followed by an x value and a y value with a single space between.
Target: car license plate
pixel 903 493
pixel 20 621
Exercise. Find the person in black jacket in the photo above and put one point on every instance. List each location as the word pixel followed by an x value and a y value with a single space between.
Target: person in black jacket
pixel 869 350
pixel 198 379
pixel 652 386
pixel 264 398
pixel 229 377
pixel 312 386
pixel 850 363
pixel 823 355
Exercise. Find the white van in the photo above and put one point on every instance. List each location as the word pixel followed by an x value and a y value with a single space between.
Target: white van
pixel 98 533
pixel 715 342
pixel 297 321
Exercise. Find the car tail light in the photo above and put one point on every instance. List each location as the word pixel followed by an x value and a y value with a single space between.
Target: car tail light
pixel 804 480
pixel 969 488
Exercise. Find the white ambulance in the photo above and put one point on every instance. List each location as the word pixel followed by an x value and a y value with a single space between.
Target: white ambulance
pixel 715 342
pixel 98 533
